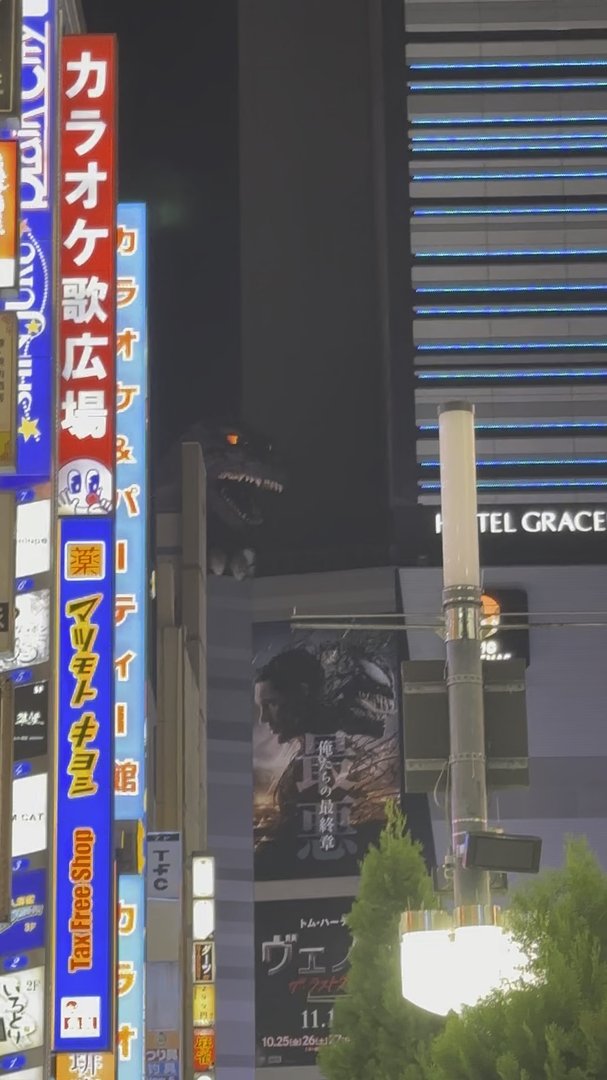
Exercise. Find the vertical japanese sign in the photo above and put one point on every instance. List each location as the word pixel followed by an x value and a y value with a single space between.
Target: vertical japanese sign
pixel 86 452
pixel 10 57
pixel 84 923
pixel 9 211
pixel 34 304
pixel 131 618
pixel 8 372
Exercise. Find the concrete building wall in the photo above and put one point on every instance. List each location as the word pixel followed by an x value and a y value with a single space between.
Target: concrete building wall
pixel 566 693
pixel 178 796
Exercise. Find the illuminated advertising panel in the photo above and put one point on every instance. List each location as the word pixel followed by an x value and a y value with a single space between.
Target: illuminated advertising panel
pixel 8 381
pixel 9 203
pixel 83 962
pixel 26 929
pixel 131 619
pixel 86 451
pixel 131 530
pixel 34 304
pixel 325 761
pixel 301 968
pixel 10 43
pixel 85 1067
pixel 131 941
pixel 21 1011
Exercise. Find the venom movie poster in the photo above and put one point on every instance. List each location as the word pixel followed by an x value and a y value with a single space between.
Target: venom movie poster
pixel 325 748
pixel 301 963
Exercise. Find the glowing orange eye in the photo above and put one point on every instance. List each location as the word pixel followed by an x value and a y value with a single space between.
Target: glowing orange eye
pixel 233 439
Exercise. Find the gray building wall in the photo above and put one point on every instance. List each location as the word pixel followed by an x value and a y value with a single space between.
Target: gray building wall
pixel 230 816
pixel 566 695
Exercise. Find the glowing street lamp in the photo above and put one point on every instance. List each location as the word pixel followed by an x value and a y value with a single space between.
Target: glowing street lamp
pixel 452 961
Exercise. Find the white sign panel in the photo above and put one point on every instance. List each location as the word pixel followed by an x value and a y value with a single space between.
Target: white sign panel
pixel 33 539
pixel 21 1011
pixel 163 866
pixel 29 814
pixel 31 631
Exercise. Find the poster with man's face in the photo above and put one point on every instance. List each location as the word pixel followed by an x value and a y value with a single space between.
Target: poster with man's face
pixel 325 748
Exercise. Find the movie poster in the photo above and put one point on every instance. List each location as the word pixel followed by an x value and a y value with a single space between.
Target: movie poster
pixel 302 952
pixel 326 748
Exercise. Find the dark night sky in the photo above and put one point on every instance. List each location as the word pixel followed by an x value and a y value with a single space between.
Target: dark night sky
pixel 178 153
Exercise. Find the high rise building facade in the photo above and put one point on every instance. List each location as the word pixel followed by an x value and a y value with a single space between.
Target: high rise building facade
pixel 506 118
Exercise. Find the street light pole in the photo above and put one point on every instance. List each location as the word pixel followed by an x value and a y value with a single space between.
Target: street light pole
pixel 462 612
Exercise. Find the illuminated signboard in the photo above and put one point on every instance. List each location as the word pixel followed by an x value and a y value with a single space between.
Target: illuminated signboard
pixel 10 42
pixel 31 631
pixel 25 931
pixel 29 814
pixel 30 733
pixel 87 262
pixel 83 975
pixel 34 304
pixel 131 528
pixel 131 619
pixel 8 383
pixel 85 1067
pixel 33 538
pixel 539 522
pixel 131 943
pixel 9 202
pixel 21 1010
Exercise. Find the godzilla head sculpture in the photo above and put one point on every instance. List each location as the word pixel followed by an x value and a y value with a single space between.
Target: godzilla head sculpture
pixel 243 477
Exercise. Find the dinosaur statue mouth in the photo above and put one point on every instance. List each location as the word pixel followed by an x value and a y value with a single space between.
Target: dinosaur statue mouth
pixel 239 490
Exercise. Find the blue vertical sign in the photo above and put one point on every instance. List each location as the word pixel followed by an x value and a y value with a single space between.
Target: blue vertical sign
pixel 131 619
pixel 34 305
pixel 83 961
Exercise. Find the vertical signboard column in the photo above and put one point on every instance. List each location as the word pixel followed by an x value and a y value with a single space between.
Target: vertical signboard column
pixel 27 79
pixel 84 927
pixel 131 622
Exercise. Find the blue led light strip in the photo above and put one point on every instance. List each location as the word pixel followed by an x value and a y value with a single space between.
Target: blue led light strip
pixel 563 175
pixel 522 138
pixel 434 485
pixel 491 288
pixel 477 121
pixel 556 425
pixel 520 65
pixel 504 211
pixel 507 346
pixel 513 309
pixel 504 463
pixel 472 147
pixel 501 375
pixel 515 253
pixel 514 84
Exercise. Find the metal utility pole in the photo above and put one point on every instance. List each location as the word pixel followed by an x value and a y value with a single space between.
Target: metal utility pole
pixel 462 613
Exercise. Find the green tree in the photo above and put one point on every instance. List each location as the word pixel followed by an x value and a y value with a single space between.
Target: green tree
pixel 557 1028
pixel 377 1034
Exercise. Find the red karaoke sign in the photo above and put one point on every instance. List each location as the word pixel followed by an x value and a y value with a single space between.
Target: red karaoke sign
pixel 87 451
